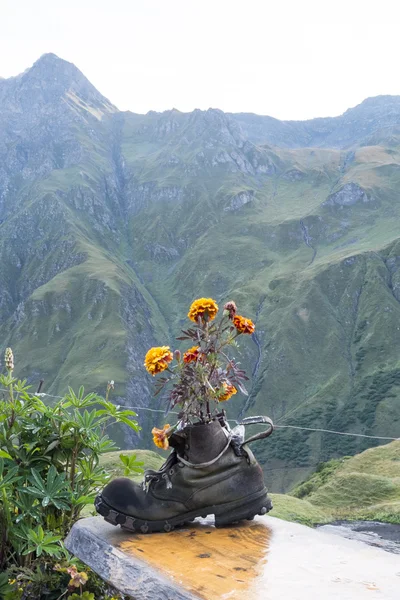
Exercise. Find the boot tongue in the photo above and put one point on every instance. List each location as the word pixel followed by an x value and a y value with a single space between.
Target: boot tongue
pixel 204 441
pixel 178 441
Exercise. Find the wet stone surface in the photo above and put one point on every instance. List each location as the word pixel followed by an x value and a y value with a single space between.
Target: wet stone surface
pixel 381 535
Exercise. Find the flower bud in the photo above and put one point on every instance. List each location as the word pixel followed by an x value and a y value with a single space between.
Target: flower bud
pixel 177 354
pixel 230 308
pixel 9 359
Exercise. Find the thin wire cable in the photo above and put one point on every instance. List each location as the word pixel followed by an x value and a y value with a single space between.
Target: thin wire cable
pixel 375 437
pixel 155 410
pixel 39 395
pixel 363 435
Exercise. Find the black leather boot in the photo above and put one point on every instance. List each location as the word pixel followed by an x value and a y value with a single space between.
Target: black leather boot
pixel 210 471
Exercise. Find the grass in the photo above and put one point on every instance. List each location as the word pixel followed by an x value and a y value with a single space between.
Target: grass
pixel 288 508
pixel 366 486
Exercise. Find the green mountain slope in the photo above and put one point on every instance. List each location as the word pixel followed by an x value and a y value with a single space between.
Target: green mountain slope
pixel 366 486
pixel 112 223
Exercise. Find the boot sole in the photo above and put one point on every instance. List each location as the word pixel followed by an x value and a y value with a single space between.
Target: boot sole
pixel 224 514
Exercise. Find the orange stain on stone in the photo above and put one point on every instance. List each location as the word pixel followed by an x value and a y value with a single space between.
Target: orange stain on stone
pixel 209 562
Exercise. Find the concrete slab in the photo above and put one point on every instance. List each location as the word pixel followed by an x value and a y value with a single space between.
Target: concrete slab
pixel 265 559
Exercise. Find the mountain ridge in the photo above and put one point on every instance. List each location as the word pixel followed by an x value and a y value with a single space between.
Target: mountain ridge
pixel 49 64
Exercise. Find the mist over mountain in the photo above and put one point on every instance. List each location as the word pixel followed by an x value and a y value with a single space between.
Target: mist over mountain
pixel 111 223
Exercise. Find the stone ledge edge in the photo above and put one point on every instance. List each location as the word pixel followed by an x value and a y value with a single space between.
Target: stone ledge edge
pixel 130 576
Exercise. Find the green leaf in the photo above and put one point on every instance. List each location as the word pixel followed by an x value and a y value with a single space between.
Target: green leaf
pixel 85 499
pixel 52 445
pixel 5 587
pixel 124 458
pixel 10 478
pixel 41 542
pixel 4 454
pixel 131 464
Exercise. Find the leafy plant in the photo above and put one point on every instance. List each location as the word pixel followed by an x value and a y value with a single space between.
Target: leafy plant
pixel 49 471
pixel 131 464
pixel 40 542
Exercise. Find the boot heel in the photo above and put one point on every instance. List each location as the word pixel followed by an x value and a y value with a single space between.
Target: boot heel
pixel 248 511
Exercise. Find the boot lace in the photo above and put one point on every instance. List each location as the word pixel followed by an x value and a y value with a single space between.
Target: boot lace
pixel 151 475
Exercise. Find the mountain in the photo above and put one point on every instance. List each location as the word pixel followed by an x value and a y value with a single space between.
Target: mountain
pixel 374 120
pixel 111 223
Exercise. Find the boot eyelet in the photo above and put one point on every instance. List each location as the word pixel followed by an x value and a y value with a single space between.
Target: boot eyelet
pixel 181 465
pixel 171 471
pixel 186 446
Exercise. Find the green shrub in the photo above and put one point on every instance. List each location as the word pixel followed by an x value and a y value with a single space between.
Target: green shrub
pixel 49 471
pixel 317 479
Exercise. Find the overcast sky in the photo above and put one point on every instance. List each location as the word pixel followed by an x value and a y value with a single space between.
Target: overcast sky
pixel 288 59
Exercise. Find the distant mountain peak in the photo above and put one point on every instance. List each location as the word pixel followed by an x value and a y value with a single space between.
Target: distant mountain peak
pixel 49 80
pixel 50 68
pixel 49 57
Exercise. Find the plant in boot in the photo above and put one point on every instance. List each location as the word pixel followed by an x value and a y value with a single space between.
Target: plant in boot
pixel 211 469
pixel 205 375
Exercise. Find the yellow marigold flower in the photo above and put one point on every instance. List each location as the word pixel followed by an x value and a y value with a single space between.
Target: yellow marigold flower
pixel 160 436
pixel 157 359
pixel 201 307
pixel 243 325
pixel 229 390
pixel 191 354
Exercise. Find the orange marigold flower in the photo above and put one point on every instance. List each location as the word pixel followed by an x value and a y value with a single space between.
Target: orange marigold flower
pixel 228 392
pixel 191 354
pixel 157 359
pixel 243 325
pixel 160 436
pixel 201 307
